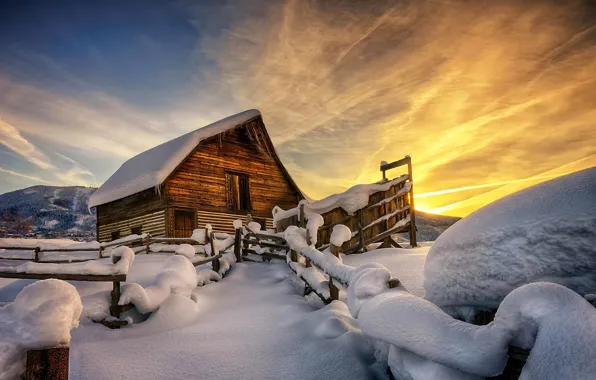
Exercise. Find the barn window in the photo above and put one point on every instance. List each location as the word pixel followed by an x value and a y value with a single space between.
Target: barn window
pixel 136 230
pixel 115 235
pixel 238 192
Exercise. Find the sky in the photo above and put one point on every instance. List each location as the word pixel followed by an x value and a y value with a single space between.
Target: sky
pixel 487 97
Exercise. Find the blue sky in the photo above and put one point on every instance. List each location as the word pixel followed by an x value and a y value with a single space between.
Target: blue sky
pixel 487 97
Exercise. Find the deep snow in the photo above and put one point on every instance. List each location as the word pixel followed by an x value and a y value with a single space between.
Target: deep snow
pixel 544 233
pixel 252 325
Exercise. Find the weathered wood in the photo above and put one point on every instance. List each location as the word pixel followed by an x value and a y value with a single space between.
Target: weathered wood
pixel 393 283
pixel 199 181
pixel 301 216
pixel 404 161
pixel 333 290
pixel 113 324
pixel 212 244
pixel 47 364
pixel 36 254
pixel 266 244
pixel 413 239
pixel 216 264
pixel 293 256
pixel 237 245
pixel 265 254
pixel 115 298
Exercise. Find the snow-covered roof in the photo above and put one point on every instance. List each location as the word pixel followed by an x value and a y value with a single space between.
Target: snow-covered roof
pixel 152 167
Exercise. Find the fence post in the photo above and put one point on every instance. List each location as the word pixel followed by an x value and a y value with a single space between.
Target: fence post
pixel 49 364
pixel 147 243
pixel 237 245
pixel 333 290
pixel 293 256
pixel 413 241
pixel 100 251
pixel 211 238
pixel 36 253
pixel 115 294
pixel 301 219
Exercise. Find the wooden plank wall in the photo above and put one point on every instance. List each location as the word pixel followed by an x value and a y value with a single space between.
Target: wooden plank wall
pixel 199 182
pixel 141 203
pixel 375 209
pixel 153 223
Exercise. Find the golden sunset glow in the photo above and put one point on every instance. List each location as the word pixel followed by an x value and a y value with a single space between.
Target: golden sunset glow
pixel 487 97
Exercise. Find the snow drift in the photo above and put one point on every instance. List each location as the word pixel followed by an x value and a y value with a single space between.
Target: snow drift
pixel 41 316
pixel 544 233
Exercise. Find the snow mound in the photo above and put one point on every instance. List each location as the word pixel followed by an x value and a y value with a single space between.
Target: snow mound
pixel 150 168
pixel 544 233
pixel 186 250
pixel 41 316
pixel 177 276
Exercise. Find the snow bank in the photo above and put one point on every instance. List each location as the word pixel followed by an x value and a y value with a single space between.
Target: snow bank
pixel 150 168
pixel 186 250
pixel 405 264
pixel 544 233
pixel 340 235
pixel 88 267
pixel 41 316
pixel 177 276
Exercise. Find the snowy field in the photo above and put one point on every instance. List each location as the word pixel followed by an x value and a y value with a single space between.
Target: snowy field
pixel 405 264
pixel 254 324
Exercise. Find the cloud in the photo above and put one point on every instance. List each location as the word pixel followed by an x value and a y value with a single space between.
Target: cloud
pixel 21 175
pixel 13 140
pixel 475 92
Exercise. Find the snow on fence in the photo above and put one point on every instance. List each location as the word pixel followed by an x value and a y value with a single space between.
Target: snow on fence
pixel 374 212
pixel 122 251
pixel 548 324
pixel 35 331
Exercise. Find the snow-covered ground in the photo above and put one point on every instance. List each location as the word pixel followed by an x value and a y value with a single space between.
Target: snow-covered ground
pixel 254 324
pixel 405 264
pixel 251 325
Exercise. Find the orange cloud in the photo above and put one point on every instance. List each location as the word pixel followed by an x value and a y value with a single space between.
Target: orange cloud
pixel 476 92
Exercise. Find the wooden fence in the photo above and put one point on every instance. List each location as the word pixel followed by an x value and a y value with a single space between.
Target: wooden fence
pixel 387 212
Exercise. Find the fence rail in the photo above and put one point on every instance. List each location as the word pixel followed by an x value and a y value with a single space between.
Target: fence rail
pixel 389 209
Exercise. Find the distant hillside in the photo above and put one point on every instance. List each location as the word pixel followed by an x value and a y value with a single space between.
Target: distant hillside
pixel 47 211
pixel 430 226
pixel 54 211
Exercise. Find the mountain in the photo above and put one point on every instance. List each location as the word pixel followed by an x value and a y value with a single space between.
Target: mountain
pixel 55 211
pixel 47 211
pixel 430 226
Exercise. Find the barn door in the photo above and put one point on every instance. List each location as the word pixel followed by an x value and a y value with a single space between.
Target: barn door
pixel 184 223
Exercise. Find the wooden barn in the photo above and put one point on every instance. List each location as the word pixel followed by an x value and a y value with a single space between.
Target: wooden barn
pixel 214 175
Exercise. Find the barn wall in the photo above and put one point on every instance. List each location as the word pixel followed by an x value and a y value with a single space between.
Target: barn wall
pixel 199 182
pixel 153 223
pixel 146 208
